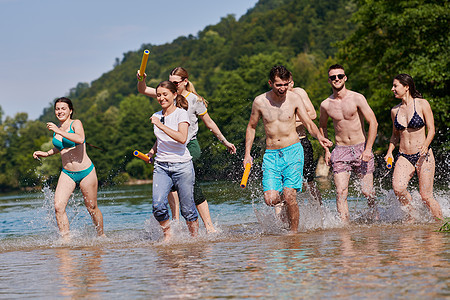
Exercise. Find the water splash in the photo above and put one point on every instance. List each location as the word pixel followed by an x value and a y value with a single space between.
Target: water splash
pixel 388 210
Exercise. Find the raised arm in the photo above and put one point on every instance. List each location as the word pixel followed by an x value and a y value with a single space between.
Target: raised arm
pixel 211 125
pixel 143 88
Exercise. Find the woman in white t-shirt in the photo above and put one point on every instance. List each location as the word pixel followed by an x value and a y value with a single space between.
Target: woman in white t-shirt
pixel 173 162
pixel 197 109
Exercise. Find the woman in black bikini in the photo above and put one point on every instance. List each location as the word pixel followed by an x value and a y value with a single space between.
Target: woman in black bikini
pixel 415 155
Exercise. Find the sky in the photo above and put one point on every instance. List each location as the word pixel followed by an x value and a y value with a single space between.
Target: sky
pixel 48 46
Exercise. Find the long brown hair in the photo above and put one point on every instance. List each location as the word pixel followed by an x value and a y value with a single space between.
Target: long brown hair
pixel 407 80
pixel 180 71
pixel 180 101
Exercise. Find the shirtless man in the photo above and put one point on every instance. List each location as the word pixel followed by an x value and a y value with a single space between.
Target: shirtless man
pixel 283 159
pixel 353 149
pixel 309 168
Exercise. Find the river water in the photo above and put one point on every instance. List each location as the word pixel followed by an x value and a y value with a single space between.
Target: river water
pixel 250 257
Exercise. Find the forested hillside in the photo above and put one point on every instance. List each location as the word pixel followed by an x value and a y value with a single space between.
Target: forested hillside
pixel 229 63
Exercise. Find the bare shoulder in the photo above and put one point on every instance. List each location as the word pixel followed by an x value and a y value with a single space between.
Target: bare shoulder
pixel 356 96
pixel 259 102
pixel 293 95
pixel 423 103
pixel 260 99
pixel 358 99
pixel 300 91
pixel 395 108
pixel 325 103
pixel 77 123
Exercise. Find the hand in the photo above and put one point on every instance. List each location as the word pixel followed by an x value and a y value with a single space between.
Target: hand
pixel 150 155
pixel 37 154
pixel 230 146
pixel 139 77
pixel 324 142
pixel 52 127
pixel 366 155
pixel 424 150
pixel 327 157
pixel 248 159
pixel 387 156
pixel 156 121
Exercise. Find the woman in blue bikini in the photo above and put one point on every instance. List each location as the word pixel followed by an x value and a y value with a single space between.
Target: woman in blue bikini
pixel 410 119
pixel 69 140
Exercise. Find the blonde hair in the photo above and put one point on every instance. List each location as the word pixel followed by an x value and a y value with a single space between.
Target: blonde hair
pixel 180 71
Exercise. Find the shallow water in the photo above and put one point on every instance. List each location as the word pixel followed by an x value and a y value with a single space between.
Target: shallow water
pixel 250 257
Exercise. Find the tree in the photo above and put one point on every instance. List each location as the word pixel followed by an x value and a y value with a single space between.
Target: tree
pixel 404 36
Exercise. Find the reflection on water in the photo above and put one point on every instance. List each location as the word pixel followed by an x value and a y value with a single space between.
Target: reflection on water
pixel 250 257
pixel 79 277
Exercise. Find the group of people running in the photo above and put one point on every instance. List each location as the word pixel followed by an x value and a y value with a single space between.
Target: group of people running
pixel 288 163
pixel 284 110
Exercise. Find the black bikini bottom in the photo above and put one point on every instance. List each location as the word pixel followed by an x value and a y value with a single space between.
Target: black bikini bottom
pixel 412 158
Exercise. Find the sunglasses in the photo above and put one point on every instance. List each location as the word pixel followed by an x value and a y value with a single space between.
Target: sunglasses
pixel 162 119
pixel 340 76
pixel 178 82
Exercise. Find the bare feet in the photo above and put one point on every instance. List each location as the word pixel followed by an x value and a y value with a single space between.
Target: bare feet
pixel 281 213
pixel 210 230
pixel 65 237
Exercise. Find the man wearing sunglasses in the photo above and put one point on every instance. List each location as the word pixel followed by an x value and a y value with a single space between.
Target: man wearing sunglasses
pixel 353 151
pixel 283 158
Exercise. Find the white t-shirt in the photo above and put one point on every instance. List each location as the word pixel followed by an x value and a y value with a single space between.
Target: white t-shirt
pixel 168 149
pixel 196 108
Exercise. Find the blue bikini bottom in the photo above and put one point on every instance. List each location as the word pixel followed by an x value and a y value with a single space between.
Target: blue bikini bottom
pixel 77 176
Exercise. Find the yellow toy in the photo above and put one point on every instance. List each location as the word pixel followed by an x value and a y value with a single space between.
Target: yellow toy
pixel 143 64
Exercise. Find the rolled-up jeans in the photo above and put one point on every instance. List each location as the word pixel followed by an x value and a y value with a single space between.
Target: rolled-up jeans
pixel 181 175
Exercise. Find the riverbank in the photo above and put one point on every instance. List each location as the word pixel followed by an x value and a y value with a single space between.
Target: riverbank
pixel 138 181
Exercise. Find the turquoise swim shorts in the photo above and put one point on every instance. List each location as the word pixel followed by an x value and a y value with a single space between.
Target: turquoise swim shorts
pixel 283 168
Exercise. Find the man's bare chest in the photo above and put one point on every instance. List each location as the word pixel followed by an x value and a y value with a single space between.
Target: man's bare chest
pixel 278 113
pixel 342 111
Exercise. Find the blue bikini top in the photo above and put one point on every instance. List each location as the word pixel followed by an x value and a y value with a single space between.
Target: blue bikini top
pixel 416 121
pixel 64 143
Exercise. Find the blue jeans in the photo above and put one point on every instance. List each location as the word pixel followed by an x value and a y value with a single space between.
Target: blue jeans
pixel 182 177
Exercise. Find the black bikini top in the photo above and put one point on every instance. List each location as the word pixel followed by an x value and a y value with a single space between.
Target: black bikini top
pixel 416 121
